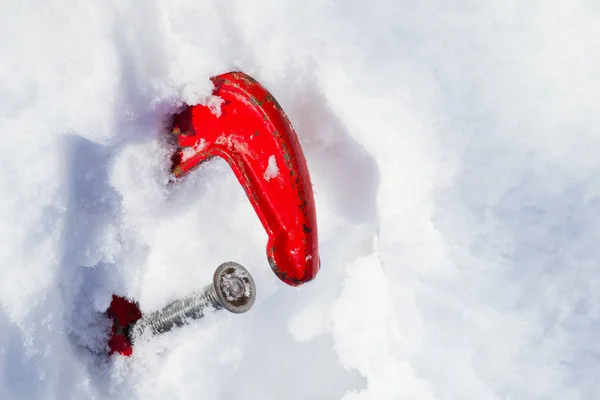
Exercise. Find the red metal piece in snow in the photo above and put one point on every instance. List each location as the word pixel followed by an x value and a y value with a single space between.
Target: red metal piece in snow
pixel 123 313
pixel 252 133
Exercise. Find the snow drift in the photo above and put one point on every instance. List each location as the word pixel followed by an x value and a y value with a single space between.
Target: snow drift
pixel 453 147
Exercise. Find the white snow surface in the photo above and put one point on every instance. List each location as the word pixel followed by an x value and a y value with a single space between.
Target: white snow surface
pixel 454 152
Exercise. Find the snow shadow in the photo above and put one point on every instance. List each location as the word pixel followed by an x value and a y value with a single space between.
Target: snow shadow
pixel 341 169
pixel 88 272
pixel 96 251
pixel 20 365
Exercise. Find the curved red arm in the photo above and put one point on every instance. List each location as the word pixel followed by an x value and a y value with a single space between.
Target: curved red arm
pixel 252 133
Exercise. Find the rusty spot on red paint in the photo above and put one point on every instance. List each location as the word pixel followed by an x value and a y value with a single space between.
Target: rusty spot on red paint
pixel 269 98
pixel 177 171
pixel 255 101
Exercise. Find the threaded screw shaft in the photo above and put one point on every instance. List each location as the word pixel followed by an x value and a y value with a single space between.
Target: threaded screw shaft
pixel 232 289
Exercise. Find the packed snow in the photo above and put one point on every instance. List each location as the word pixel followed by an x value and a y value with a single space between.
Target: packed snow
pixel 454 152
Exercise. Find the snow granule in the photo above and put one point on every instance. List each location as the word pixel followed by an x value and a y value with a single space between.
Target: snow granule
pixel 272 171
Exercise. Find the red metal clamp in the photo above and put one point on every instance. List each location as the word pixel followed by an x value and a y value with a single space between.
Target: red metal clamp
pixel 251 132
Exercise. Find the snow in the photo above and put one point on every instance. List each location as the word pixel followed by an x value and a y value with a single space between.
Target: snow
pixel 214 104
pixel 272 171
pixel 189 152
pixel 453 147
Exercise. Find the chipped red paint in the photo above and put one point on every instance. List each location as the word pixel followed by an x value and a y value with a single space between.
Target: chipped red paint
pixel 250 128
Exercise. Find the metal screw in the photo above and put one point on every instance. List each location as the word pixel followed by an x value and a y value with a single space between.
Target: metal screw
pixel 232 289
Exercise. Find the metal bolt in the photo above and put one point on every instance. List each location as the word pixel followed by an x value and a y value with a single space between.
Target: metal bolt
pixel 232 289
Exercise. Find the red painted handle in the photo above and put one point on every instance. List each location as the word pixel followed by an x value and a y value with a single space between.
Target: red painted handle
pixel 252 133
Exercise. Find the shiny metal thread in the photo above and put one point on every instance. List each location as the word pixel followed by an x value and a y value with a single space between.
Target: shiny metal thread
pixel 232 289
pixel 176 314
